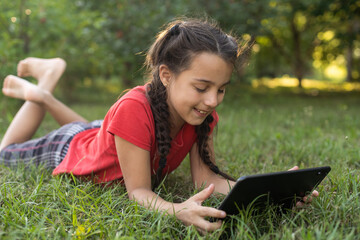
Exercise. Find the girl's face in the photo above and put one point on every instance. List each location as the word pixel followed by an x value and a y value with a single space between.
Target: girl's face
pixel 196 92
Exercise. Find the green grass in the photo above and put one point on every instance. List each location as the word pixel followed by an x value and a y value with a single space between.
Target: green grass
pixel 257 133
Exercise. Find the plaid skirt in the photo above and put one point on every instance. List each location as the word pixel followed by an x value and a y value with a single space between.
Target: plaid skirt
pixel 49 150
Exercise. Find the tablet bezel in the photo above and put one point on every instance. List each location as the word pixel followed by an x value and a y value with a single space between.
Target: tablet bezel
pixel 279 188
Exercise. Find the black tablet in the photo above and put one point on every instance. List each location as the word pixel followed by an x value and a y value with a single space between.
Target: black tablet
pixel 279 188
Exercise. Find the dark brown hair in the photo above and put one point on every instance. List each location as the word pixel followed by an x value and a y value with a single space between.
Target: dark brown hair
pixel 175 47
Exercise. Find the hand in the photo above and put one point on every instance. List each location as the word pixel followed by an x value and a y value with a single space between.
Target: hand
pixel 191 212
pixel 307 199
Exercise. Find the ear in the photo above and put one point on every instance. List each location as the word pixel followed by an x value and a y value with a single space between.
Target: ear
pixel 165 74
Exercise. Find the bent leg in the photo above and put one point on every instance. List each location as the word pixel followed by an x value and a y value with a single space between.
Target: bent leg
pixel 46 71
pixel 29 117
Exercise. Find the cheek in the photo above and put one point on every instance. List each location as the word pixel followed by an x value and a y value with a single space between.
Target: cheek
pixel 178 100
pixel 184 95
pixel 183 101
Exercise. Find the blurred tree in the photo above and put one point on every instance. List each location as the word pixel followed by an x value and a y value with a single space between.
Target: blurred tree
pixel 46 29
pixel 342 35
pixel 13 33
pixel 292 31
pixel 109 38
pixel 288 34
pixel 127 28
pixel 96 38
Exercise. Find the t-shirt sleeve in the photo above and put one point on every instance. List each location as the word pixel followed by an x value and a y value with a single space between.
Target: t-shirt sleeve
pixel 132 122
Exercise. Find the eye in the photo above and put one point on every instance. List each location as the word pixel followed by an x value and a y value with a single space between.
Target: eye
pixel 200 90
pixel 221 91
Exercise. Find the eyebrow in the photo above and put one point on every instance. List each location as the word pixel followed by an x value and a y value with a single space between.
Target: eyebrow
pixel 210 82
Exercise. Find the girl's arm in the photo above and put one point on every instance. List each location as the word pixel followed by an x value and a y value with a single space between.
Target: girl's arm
pixel 201 173
pixel 136 169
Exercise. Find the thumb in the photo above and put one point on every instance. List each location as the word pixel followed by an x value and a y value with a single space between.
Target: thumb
pixel 294 168
pixel 204 194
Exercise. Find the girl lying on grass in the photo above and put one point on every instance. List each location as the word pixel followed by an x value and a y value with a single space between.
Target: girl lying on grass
pixel 147 132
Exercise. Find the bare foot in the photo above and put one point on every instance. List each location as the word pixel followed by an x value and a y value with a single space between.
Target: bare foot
pixel 46 71
pixel 19 88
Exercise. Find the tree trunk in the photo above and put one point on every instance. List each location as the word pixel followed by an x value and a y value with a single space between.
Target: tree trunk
pixel 349 51
pixel 298 61
pixel 349 62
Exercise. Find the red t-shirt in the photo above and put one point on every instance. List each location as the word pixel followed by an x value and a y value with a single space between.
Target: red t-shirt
pixel 92 153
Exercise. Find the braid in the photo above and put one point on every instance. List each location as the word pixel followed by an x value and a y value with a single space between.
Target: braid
pixel 202 132
pixel 157 96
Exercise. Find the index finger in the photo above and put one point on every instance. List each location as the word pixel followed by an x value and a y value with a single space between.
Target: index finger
pixel 204 194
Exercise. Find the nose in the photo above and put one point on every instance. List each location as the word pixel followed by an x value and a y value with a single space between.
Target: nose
pixel 211 100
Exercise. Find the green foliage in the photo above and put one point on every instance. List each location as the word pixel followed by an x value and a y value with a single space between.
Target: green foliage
pixel 109 38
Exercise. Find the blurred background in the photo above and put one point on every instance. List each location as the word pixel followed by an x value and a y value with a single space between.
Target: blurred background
pixel 307 44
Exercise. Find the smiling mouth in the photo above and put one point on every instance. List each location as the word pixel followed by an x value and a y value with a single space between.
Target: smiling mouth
pixel 201 111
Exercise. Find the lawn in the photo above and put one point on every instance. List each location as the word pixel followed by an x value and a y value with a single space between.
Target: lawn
pixel 257 133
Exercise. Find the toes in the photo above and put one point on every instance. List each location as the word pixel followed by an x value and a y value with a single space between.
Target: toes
pixel 7 81
pixel 21 68
pixel 6 85
pixel 6 91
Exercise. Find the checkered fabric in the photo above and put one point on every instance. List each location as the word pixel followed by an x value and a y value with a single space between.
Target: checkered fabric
pixel 49 150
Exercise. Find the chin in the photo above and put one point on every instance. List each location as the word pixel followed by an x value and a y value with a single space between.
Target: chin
pixel 196 122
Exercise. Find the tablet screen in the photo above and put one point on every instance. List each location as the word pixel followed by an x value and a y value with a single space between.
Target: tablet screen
pixel 279 188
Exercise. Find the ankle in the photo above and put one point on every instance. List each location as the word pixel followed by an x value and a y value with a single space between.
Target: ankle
pixel 47 97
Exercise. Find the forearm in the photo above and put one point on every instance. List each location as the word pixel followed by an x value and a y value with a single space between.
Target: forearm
pixel 150 200
pixel 222 185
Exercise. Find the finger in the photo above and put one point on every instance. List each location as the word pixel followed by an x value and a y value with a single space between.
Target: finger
pixel 206 226
pixel 211 212
pixel 204 194
pixel 307 199
pixel 294 168
pixel 300 204
pixel 315 193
